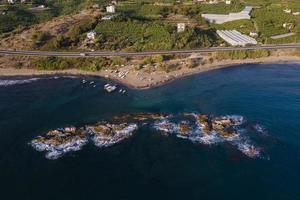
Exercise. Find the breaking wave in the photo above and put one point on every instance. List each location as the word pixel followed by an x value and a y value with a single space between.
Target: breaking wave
pixel 6 83
pixel 11 82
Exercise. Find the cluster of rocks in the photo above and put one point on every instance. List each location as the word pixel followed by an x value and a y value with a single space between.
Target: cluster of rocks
pixel 197 128
pixel 182 129
pixel 225 127
pixel 106 134
pixel 60 141
pixel 209 130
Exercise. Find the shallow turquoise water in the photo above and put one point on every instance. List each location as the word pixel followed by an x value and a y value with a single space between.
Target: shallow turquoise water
pixel 149 165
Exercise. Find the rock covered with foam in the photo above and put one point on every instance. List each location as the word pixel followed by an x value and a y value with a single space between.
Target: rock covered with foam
pixel 209 130
pixel 60 141
pixel 106 134
pixel 198 128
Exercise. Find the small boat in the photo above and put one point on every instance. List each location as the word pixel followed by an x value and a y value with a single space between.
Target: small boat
pixel 94 85
pixel 110 88
pixel 92 82
pixel 84 81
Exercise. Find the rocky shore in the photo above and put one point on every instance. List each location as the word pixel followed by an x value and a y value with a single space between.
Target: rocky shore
pixel 198 128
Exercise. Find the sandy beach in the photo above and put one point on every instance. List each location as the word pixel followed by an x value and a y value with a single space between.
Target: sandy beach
pixel 142 80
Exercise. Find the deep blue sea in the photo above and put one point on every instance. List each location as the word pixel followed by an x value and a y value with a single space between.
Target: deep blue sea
pixel 150 165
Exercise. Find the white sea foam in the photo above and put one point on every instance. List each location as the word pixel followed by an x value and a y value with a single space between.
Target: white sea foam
pixel 54 151
pixel 238 119
pixel 207 139
pixel 248 149
pixel 199 135
pixel 260 129
pixel 6 83
pixel 165 126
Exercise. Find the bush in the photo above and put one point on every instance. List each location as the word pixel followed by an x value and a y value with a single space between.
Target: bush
pixel 147 60
pixel 238 55
pixel 157 58
pixel 39 38
pixel 88 64
pixel 297 52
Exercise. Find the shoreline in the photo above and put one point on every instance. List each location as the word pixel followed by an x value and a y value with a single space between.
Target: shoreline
pixel 157 78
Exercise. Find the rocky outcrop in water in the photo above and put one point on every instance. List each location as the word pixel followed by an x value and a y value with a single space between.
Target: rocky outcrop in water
pixel 210 130
pixel 106 134
pixel 60 141
pixel 197 128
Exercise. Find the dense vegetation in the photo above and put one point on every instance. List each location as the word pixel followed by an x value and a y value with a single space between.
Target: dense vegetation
pixel 87 64
pixel 138 36
pixel 151 24
pixel 237 55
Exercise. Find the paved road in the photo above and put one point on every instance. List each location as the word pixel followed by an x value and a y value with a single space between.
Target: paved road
pixel 148 53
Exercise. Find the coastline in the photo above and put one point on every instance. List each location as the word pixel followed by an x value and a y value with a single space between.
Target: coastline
pixel 153 79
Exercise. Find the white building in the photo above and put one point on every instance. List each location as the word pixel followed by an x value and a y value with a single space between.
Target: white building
pixel 111 9
pixel 11 1
pixel 235 38
pixel 287 10
pixel 220 19
pixel 114 2
pixel 213 2
pixel 228 2
pixel 253 34
pixel 296 13
pixel 180 27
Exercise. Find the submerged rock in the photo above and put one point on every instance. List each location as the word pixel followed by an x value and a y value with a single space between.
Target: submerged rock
pixel 141 117
pixel 249 150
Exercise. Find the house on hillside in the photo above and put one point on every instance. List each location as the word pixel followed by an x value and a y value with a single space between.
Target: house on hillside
pixel 91 35
pixel 11 1
pixel 180 27
pixel 287 10
pixel 111 9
